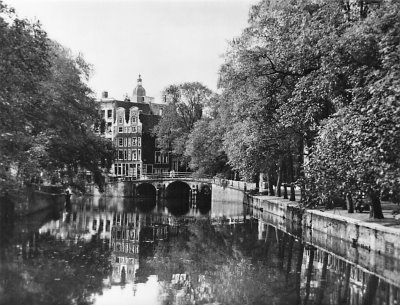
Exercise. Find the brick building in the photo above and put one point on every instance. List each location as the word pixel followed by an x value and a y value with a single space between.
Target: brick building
pixel 128 124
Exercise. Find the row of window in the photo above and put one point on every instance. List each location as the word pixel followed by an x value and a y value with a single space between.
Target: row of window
pixel 109 114
pixel 161 158
pixel 126 169
pixel 120 117
pixel 133 119
pixel 128 142
pixel 128 154
pixel 132 129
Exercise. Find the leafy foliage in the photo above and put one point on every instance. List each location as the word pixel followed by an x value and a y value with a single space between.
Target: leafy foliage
pixel 185 107
pixel 46 112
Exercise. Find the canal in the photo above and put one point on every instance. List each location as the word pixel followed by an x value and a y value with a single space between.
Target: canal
pixel 120 251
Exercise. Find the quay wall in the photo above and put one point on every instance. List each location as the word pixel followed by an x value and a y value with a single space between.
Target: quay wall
pixel 329 227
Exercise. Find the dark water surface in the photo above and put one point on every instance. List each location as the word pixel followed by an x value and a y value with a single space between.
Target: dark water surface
pixel 116 251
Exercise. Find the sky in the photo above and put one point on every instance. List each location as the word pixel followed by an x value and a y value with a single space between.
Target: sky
pixel 166 41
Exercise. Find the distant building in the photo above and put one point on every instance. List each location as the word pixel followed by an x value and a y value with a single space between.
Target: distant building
pixel 128 124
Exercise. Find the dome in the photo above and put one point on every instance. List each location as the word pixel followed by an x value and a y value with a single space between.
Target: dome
pixel 139 90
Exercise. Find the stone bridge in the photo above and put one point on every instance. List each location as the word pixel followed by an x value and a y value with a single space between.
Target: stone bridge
pixel 162 186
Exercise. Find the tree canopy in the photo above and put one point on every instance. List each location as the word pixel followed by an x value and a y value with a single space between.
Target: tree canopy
pixel 310 92
pixel 185 104
pixel 46 108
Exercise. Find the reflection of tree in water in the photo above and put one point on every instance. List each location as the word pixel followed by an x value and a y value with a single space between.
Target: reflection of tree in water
pixel 56 273
pixel 221 263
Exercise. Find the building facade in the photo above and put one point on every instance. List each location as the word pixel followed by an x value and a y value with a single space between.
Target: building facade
pixel 128 124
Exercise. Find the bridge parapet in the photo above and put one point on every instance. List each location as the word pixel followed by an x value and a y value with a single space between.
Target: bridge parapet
pixel 240 185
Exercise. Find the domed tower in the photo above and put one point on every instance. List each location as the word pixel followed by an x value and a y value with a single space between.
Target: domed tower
pixel 139 92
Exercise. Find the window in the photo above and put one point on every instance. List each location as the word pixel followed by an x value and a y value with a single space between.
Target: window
pixel 120 120
pixel 164 158
pixel 125 154
pixel 109 113
pixel 129 141
pixel 120 154
pixel 134 129
pixel 139 154
pixel 103 114
pixel 139 140
pixel 161 158
pixel 134 154
pixel 120 142
pixel 133 118
pixel 120 129
pixel 109 127
pixel 158 157
pixel 134 142
pixel 129 154
pixel 125 142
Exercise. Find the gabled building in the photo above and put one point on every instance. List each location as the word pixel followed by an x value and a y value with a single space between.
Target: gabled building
pixel 128 124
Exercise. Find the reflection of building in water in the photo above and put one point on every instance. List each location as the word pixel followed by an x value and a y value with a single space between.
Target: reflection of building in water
pixel 125 248
pixel 128 232
pixel 351 282
pixel 81 224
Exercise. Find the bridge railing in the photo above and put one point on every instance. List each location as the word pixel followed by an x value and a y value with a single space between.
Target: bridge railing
pixel 169 175
pixel 241 185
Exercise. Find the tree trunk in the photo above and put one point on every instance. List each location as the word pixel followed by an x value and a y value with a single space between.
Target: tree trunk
pixel 291 177
pixel 375 210
pixel 292 193
pixel 285 193
pixel 349 203
pixel 279 181
pixel 270 185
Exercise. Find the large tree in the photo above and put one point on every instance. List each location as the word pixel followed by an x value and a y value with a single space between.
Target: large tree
pixel 185 104
pixel 358 148
pixel 46 111
pixel 204 148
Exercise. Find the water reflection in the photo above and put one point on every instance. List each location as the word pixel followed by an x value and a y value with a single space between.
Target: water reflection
pixel 108 250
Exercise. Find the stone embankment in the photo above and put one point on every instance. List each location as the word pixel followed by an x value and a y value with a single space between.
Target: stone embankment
pixel 381 236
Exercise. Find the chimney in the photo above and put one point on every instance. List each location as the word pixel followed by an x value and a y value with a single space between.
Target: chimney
pixel 104 94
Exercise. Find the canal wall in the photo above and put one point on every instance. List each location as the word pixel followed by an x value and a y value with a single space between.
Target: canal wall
pixel 367 235
pixel 227 194
pixel 359 234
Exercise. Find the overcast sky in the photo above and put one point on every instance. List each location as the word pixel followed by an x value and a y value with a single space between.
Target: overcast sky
pixel 166 41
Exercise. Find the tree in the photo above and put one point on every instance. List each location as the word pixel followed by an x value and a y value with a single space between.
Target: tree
pixel 45 106
pixel 185 104
pixel 24 65
pixel 359 146
pixel 258 77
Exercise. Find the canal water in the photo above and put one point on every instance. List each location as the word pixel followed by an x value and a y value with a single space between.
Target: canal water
pixel 105 251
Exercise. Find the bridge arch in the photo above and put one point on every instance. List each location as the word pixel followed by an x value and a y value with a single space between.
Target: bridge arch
pixel 146 190
pixel 178 189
